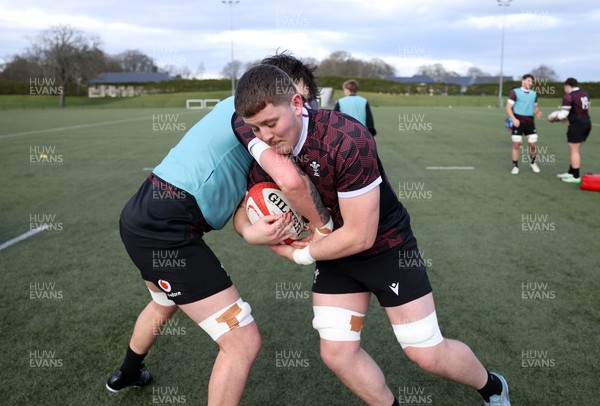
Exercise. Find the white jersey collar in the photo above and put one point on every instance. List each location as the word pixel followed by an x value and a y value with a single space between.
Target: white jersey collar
pixel 304 134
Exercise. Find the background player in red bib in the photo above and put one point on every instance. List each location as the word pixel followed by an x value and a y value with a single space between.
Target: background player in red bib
pixel 372 249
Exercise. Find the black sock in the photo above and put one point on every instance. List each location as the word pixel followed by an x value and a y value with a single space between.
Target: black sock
pixel 570 169
pixel 516 163
pixel 492 387
pixel 532 159
pixel 395 402
pixel 132 364
pixel 575 173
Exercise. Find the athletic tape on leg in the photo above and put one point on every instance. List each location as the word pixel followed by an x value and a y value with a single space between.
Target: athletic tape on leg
pixel 421 333
pixel 233 316
pixel 161 298
pixel 532 138
pixel 337 324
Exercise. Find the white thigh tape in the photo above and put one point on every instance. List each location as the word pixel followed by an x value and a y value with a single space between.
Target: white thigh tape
pixel 337 324
pixel 233 316
pixel 421 333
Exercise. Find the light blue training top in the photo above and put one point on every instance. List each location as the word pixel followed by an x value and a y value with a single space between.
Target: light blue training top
pixel 210 164
pixel 355 106
pixel 525 103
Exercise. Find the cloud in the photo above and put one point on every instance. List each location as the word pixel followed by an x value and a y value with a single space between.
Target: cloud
pixel 525 20
pixel 459 33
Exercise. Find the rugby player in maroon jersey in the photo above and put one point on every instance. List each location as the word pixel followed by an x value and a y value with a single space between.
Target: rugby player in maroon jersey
pixel 575 107
pixel 371 250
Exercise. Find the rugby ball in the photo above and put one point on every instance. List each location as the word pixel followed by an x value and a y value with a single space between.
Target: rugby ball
pixel 266 198
pixel 554 116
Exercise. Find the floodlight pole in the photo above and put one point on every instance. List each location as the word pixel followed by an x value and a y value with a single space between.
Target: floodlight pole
pixel 231 3
pixel 504 4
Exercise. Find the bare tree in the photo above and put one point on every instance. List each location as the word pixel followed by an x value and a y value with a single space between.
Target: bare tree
pixel 135 61
pixel 184 72
pixel 546 73
pixel 20 68
pixel 60 51
pixel 169 70
pixel 474 71
pixel 232 68
pixel 200 70
pixel 248 65
pixel 341 63
pixel 310 61
pixel 380 69
pixel 94 62
pixel 436 71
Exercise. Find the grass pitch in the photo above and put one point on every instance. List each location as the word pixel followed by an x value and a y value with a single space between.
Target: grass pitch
pixel 513 262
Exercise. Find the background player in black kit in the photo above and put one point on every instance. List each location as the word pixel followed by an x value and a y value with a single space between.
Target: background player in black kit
pixel 371 250
pixel 575 106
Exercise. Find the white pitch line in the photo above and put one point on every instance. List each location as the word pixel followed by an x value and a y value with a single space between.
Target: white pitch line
pixel 24 236
pixel 73 127
pixel 450 168
pixel 147 169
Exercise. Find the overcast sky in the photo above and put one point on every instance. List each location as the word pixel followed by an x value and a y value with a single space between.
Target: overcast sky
pixel 405 34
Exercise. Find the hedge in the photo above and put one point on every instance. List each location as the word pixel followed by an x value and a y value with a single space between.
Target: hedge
pixel 545 90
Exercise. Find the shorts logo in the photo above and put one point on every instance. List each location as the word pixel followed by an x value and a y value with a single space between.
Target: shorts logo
pixel 394 287
pixel 164 285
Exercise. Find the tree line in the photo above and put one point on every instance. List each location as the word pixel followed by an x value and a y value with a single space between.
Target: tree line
pixel 73 58
pixel 438 73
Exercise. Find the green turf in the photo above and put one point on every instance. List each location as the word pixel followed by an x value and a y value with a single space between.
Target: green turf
pixel 469 223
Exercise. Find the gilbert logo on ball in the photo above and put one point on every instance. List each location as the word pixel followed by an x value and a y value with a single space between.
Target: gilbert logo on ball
pixel 266 198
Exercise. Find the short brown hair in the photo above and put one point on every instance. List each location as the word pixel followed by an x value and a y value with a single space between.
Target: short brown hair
pixel 351 85
pixel 261 85
pixel 297 70
pixel 571 82
pixel 528 75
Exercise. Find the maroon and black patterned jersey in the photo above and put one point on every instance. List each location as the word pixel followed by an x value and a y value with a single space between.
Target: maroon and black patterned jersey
pixel 579 101
pixel 340 158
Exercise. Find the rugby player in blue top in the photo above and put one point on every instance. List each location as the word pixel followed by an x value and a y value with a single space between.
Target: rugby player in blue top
pixel 356 106
pixel 195 189
pixel 521 107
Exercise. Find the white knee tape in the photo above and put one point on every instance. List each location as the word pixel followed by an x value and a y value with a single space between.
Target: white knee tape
pixel 516 138
pixel 421 333
pixel 231 317
pixel 337 324
pixel 532 138
pixel 161 298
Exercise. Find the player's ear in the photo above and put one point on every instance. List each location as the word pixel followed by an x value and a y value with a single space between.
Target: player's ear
pixel 297 103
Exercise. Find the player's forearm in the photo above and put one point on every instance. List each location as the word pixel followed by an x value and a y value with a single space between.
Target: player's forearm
pixel 306 200
pixel 341 243
pixel 359 230
pixel 509 111
pixel 296 187
pixel 240 220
